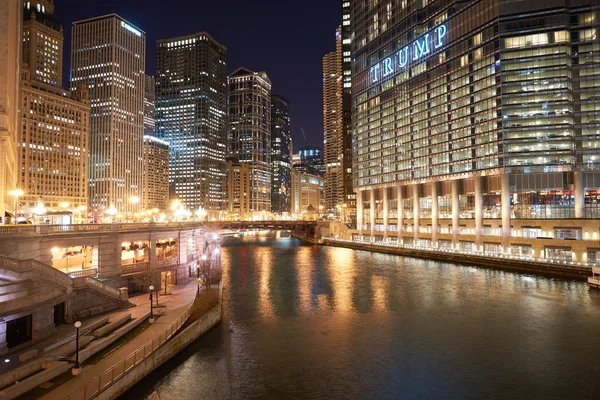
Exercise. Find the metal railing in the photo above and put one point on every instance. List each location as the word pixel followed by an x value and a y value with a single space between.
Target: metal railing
pixel 467 252
pixel 93 283
pixel 118 370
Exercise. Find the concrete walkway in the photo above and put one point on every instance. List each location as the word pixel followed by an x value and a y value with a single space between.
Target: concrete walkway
pixel 174 304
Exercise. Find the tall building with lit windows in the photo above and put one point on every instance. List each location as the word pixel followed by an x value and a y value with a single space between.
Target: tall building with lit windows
pixel 337 141
pixel 191 106
pixel 475 125
pixel 332 126
pixel 54 130
pixel 344 40
pixel 108 55
pixel 149 105
pixel 250 132
pixel 42 42
pixel 156 173
pixel 10 62
pixel 281 154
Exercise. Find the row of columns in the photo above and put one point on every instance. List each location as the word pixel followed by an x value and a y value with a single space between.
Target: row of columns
pixel 478 214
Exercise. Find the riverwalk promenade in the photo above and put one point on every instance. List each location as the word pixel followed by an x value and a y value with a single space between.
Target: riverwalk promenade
pixel 175 306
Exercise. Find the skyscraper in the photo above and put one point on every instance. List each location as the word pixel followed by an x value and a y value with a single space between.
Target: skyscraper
pixel 238 189
pixel 344 40
pixel 10 57
pixel 108 54
pixel 332 115
pixel 54 130
pixel 475 126
pixel 149 104
pixel 191 116
pixel 42 42
pixel 281 157
pixel 337 139
pixel 156 173
pixel 250 131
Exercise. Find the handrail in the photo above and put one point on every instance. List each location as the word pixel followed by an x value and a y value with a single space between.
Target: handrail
pixel 91 282
pixel 118 370
pixel 51 274
pixel 136 267
pixel 83 272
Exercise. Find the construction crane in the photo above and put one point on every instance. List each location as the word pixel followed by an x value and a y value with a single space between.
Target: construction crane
pixel 304 134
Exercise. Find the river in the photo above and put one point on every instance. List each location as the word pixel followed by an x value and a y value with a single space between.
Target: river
pixel 314 322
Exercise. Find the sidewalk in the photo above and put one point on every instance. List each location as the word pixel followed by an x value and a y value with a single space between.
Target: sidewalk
pixel 175 305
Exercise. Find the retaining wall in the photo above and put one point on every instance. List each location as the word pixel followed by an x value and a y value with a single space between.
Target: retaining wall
pixel 533 267
pixel 162 354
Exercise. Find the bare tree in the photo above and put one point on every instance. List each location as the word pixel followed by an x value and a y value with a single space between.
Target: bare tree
pixel 145 279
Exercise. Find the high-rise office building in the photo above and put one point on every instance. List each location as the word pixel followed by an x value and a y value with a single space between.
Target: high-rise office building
pixel 191 115
pixel 149 105
pixel 108 55
pixel 475 125
pixel 332 115
pixel 238 189
pixel 54 130
pixel 337 139
pixel 42 42
pixel 250 131
pixel 311 157
pixel 156 173
pixel 307 190
pixel 281 156
pixel 10 60
pixel 344 47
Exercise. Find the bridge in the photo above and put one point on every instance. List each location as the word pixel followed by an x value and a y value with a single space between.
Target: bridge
pixel 306 228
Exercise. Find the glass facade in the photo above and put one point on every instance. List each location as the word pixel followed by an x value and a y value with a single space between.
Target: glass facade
pixel 281 155
pixel 494 103
pixel 191 116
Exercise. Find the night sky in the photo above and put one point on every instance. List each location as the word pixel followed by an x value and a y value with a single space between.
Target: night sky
pixel 287 39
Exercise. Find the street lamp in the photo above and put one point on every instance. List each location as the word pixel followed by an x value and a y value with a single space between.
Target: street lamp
pixel 112 211
pixel 16 193
pixel 151 320
pixel 76 370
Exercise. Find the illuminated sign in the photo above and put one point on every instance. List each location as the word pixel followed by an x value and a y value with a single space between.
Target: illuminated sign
pixel 413 52
pixel 131 28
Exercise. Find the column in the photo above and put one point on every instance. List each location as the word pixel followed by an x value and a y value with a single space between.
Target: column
pixel 434 214
pixel 359 212
pixel 579 194
pixel 400 220
pixel 455 211
pixel 415 194
pixel 478 183
pixel 505 201
pixel 372 222
pixel 386 206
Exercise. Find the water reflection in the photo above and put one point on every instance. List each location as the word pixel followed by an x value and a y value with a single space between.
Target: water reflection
pixel 303 321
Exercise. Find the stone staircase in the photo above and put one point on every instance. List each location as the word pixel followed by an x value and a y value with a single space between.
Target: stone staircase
pixel 19 295
pixel 27 282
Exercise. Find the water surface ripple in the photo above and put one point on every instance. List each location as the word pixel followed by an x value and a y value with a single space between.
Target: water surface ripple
pixel 312 322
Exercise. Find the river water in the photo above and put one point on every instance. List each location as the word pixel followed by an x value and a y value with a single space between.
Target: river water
pixel 312 322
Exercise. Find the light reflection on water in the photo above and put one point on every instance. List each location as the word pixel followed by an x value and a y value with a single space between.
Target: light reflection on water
pixel 304 321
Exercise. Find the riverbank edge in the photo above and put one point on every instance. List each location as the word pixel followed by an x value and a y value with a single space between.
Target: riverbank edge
pixel 505 264
pixel 165 352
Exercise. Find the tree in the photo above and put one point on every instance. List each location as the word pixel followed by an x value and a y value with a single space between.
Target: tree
pixel 147 278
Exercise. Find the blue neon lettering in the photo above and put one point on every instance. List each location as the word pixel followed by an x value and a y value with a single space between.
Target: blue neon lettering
pixel 375 72
pixel 403 57
pixel 387 66
pixel 440 33
pixel 421 47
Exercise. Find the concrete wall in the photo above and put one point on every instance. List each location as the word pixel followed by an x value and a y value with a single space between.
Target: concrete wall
pixel 162 354
pixel 86 303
